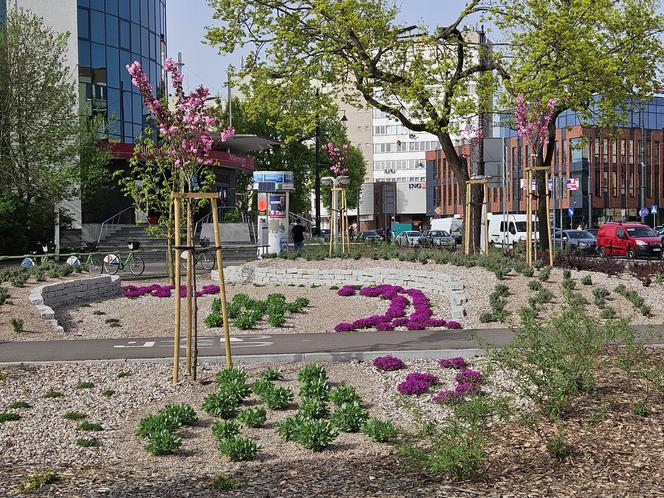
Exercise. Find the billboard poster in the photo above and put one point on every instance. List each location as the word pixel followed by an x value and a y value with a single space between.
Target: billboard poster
pixel 572 184
pixel 277 180
pixel 277 205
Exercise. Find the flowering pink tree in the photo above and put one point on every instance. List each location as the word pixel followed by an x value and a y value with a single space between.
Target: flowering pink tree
pixel 533 123
pixel 185 131
pixel 338 158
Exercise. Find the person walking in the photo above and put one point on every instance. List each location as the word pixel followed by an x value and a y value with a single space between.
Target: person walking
pixel 298 236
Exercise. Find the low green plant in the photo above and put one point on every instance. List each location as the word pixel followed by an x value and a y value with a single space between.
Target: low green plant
pixel 314 434
pixel 182 412
pixel 9 417
pixel 54 394
pixel 74 416
pixel 4 295
pixel 276 319
pixel 558 447
pixel 567 274
pixel 113 322
pixel 487 317
pixel 277 397
pixel 312 372
pixel 640 409
pixel 107 393
pixel 223 482
pixel 587 280
pixel 349 417
pixel 19 404
pixel 313 408
pixel 287 427
pixel 163 443
pixel 123 374
pixel 544 274
pixel 17 325
pixel 271 374
pixel 91 426
pixel 221 404
pixel 238 448
pixel 543 296
pixel 215 318
pixel 98 312
pixel 85 385
pixel 86 442
pixel 231 375
pixel 157 422
pixel 224 429
pixel 608 313
pixel 381 431
pixel 344 393
pixel 334 287
pixel 245 321
pixel 535 285
pixel 39 479
pixel 253 417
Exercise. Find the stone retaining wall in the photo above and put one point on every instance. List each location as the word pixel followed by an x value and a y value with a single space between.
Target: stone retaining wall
pixel 438 283
pixel 52 296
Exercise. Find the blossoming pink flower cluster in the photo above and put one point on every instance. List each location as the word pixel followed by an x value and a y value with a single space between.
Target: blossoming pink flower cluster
pixel 420 319
pixel 157 290
pixel 338 159
pixel 417 383
pixel 186 130
pixel 533 123
pixel 468 382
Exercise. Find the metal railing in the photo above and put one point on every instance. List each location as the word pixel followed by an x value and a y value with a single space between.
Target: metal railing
pixel 113 221
pixel 198 226
pixel 308 224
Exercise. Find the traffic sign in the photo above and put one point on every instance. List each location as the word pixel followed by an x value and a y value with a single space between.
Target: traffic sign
pixel 654 209
pixel 570 212
pixel 644 212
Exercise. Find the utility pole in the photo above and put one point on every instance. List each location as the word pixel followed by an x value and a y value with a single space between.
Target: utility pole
pixel 230 98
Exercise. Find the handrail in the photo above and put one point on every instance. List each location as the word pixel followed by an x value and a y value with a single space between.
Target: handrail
pixel 309 223
pixel 105 223
pixel 220 212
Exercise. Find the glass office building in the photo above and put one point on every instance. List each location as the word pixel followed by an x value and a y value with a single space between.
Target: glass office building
pixel 111 34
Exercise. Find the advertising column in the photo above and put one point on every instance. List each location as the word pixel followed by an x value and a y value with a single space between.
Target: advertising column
pixel 277 224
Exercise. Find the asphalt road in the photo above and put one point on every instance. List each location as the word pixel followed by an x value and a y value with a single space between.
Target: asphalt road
pixel 295 347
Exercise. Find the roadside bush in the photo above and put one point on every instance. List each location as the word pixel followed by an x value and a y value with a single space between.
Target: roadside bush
pixel 271 374
pixel 231 376
pixel 287 427
pixel 608 313
pixel 224 429
pixel 313 408
pixel 312 372
pixel 261 385
pixel 344 393
pixel 277 398
pixel 349 417
pixel 315 435
pixel 253 417
pixel 587 280
pixel 215 318
pixel 91 426
pixel 238 448
pixel 4 295
pixel 558 447
pixel 85 385
pixel 223 482
pixel 86 442
pixel 17 325
pixel 544 274
pixel 543 296
pixel 535 285
pixel 221 404
pixel 39 480
pixel 182 412
pixel 277 319
pixel 380 431
pixel 599 296
pixel 163 443
pixel 54 394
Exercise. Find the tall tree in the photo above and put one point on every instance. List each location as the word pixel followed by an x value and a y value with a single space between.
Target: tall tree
pixel 594 57
pixel 417 75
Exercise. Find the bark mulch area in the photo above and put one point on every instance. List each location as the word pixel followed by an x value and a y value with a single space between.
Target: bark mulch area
pixel 613 453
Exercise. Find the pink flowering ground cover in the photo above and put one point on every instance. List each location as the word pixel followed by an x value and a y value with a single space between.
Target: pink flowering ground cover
pixel 156 290
pixel 396 315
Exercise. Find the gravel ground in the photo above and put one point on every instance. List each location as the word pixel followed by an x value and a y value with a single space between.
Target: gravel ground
pixel 617 454
pixel 150 316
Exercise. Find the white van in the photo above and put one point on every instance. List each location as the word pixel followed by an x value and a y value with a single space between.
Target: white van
pixel 508 229
pixel 453 226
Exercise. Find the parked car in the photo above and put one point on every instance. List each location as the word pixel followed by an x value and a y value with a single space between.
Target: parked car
pixel 438 238
pixel 453 226
pixel 370 236
pixel 629 240
pixel 505 230
pixel 593 232
pixel 410 238
pixel 577 240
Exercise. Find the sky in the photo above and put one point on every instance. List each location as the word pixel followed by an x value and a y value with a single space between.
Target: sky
pixel 187 20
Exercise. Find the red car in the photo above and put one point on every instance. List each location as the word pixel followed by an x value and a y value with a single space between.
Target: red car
pixel 629 240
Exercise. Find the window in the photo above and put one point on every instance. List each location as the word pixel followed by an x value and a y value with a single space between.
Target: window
pixel 112 7
pixel 98 56
pixel 83 53
pixel 614 180
pixel 112 31
pixel 125 37
pixel 597 145
pixel 135 38
pixel 83 24
pixel 124 9
pixel 623 150
pixel 614 152
pixel 605 151
pixel 97 27
pixel 113 65
pixel 631 152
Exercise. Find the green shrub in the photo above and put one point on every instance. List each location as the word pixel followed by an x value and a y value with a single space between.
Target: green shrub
pixel 231 375
pixel 271 374
pixel 558 447
pixel 85 385
pixel 233 309
pixel 608 313
pixel 261 385
pixel 487 318
pixel 315 435
pixel 17 325
pixel 221 404
pixel 543 296
pixel 276 319
pixel 19 404
pixel 587 280
pixel 567 274
pixel 312 372
pixel 123 374
pixel 86 442
pixel 223 482
pixel 182 412
pixel 246 321
pixel 54 394
pixel 224 429
pixel 568 284
pixel 640 409
pixel 544 274
pixel 277 397
pixel 215 318
pixel 74 416
pixel 9 417
pixel 313 408
pixel 39 480
pixel 253 417
pixel 344 393
pixel 163 443
pixel 349 417
pixel 301 303
pixel 620 289
pixel 4 295
pixel 157 422
pixel 238 448
pixel 91 426
pixel 108 393
pixel 380 431
pixel 316 388
pixel 287 427
pixel 535 285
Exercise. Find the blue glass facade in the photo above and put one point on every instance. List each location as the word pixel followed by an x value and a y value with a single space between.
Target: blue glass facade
pixel 111 34
pixel 3 11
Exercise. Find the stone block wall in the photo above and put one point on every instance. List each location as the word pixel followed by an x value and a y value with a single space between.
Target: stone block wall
pixel 442 284
pixel 49 297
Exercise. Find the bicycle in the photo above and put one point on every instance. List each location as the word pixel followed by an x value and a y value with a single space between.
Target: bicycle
pixel 205 258
pixel 94 265
pixel 113 263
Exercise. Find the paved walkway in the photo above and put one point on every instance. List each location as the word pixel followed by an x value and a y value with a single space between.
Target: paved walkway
pixel 274 348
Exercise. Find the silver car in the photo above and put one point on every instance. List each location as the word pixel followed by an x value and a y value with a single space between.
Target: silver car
pixel 410 238
pixel 438 238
